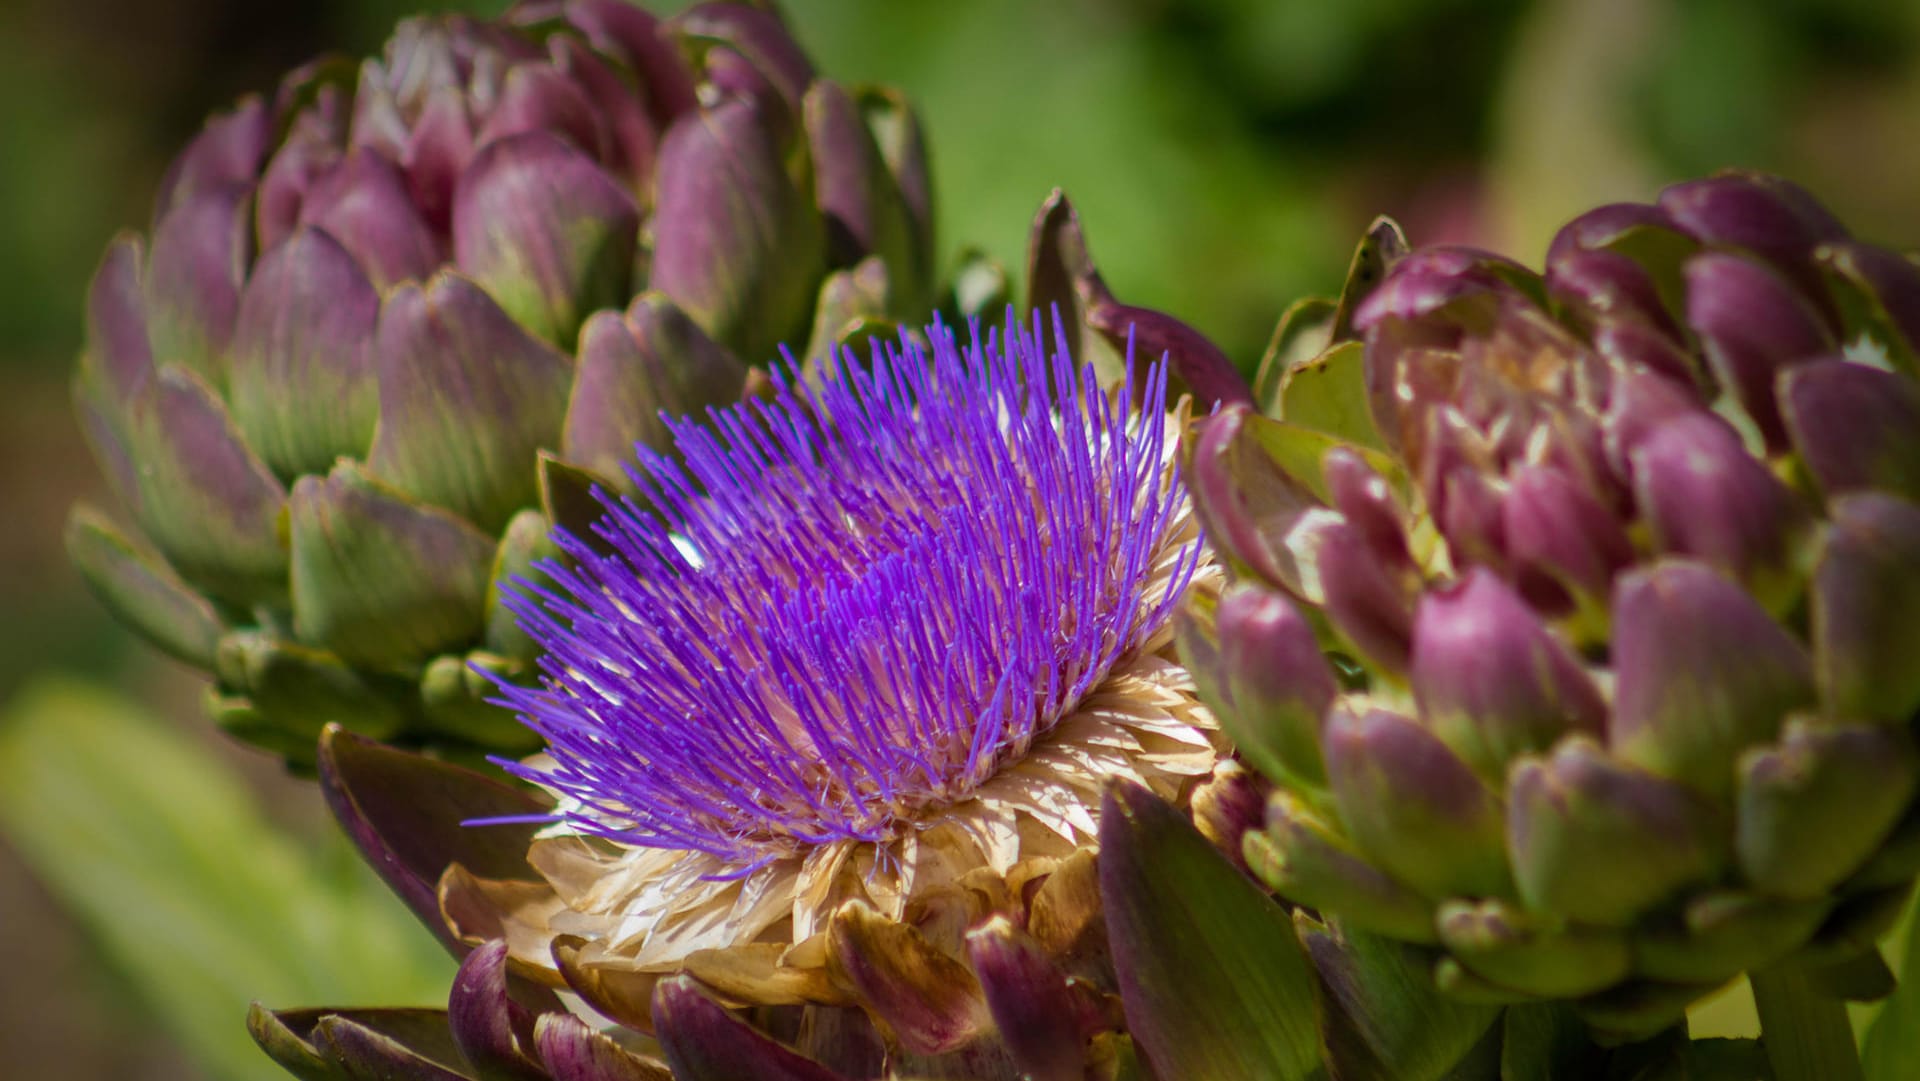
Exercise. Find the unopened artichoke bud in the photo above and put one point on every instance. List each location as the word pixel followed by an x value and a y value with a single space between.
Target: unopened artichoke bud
pixel 384 317
pixel 827 716
pixel 1620 569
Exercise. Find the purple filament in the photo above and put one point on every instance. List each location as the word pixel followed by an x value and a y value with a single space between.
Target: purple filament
pixel 840 607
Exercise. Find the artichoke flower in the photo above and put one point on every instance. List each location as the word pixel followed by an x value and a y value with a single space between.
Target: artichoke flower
pixel 830 705
pixel 390 324
pixel 1575 615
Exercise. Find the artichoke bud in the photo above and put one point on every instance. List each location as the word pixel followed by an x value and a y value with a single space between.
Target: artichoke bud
pixel 1634 642
pixel 368 306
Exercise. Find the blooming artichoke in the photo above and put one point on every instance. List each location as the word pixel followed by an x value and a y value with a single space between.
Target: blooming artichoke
pixel 830 705
pixel 1576 615
pixel 388 325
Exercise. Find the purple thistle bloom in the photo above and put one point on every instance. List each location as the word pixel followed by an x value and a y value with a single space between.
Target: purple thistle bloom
pixel 853 603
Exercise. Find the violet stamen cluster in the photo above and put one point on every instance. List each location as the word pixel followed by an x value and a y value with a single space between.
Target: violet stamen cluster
pixel 839 608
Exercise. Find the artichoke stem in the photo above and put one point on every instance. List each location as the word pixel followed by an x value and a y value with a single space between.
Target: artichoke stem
pixel 1804 1030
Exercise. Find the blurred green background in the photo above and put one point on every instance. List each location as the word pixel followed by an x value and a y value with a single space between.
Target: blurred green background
pixel 1224 155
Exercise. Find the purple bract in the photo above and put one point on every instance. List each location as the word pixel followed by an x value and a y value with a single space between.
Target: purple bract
pixel 851 603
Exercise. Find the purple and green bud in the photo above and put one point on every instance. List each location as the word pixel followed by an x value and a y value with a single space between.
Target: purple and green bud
pixel 496 244
pixel 1625 621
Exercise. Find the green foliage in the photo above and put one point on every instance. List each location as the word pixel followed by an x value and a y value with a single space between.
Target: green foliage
pixel 1217 985
pixel 1890 1046
pixel 199 901
pixel 1385 1018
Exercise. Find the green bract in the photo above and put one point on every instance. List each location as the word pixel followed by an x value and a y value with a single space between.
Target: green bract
pixel 1577 614
pixel 390 323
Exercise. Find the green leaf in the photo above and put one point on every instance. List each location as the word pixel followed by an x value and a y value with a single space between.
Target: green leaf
pixel 1303 332
pixel 1661 1058
pixel 1329 394
pixel 1215 982
pixel 1891 1044
pixel 1383 1011
pixel 200 902
pixel 1727 1060
pixel 1382 246
pixel 1545 1041
pixel 1299 452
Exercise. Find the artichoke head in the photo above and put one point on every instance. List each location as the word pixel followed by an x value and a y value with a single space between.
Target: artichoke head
pixel 1577 614
pixel 389 324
